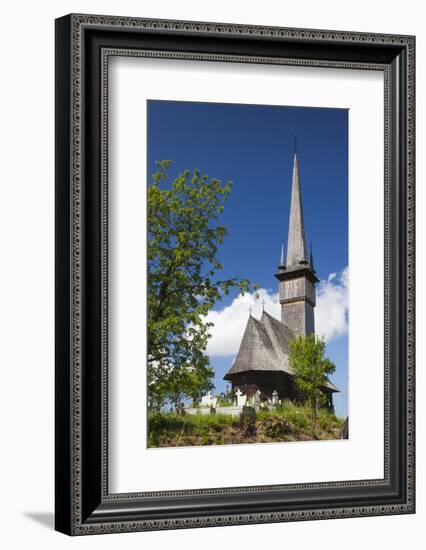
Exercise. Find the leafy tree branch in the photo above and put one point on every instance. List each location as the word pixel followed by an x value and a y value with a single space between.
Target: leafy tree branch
pixel 184 238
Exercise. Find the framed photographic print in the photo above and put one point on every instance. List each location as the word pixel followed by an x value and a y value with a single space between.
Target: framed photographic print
pixel 234 274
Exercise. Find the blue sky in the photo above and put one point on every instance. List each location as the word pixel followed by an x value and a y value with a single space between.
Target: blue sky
pixel 252 145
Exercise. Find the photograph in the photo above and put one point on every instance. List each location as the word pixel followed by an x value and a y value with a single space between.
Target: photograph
pixel 248 273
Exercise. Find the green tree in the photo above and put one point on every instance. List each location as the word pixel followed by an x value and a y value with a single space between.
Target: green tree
pixel 183 240
pixel 199 382
pixel 180 382
pixel 177 384
pixel 157 392
pixel 311 369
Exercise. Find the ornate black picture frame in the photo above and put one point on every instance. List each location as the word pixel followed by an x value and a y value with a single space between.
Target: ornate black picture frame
pixel 83 45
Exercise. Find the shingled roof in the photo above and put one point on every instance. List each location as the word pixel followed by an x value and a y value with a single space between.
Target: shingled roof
pixel 260 348
pixel 264 347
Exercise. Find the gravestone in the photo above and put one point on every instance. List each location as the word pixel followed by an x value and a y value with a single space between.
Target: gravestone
pixel 248 419
pixel 209 401
pixel 241 398
pixel 275 398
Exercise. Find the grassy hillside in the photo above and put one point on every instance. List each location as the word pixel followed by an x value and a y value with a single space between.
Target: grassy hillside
pixel 291 423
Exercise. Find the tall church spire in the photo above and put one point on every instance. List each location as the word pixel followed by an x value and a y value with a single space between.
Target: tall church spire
pixel 296 247
pixel 297 277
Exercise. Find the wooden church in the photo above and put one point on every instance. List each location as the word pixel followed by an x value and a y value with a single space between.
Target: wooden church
pixel 262 362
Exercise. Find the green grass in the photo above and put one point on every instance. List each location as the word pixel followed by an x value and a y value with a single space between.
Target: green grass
pixel 171 425
pixel 289 422
pixel 298 416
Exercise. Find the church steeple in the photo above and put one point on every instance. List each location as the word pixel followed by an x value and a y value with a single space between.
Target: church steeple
pixel 297 276
pixel 296 246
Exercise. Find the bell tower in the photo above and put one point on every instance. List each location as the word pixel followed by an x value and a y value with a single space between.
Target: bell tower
pixel 296 275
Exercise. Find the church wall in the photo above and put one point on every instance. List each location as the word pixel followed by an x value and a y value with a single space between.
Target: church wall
pixel 266 382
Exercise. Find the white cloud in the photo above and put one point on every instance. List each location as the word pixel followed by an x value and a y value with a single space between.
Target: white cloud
pixel 331 312
pixel 230 322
